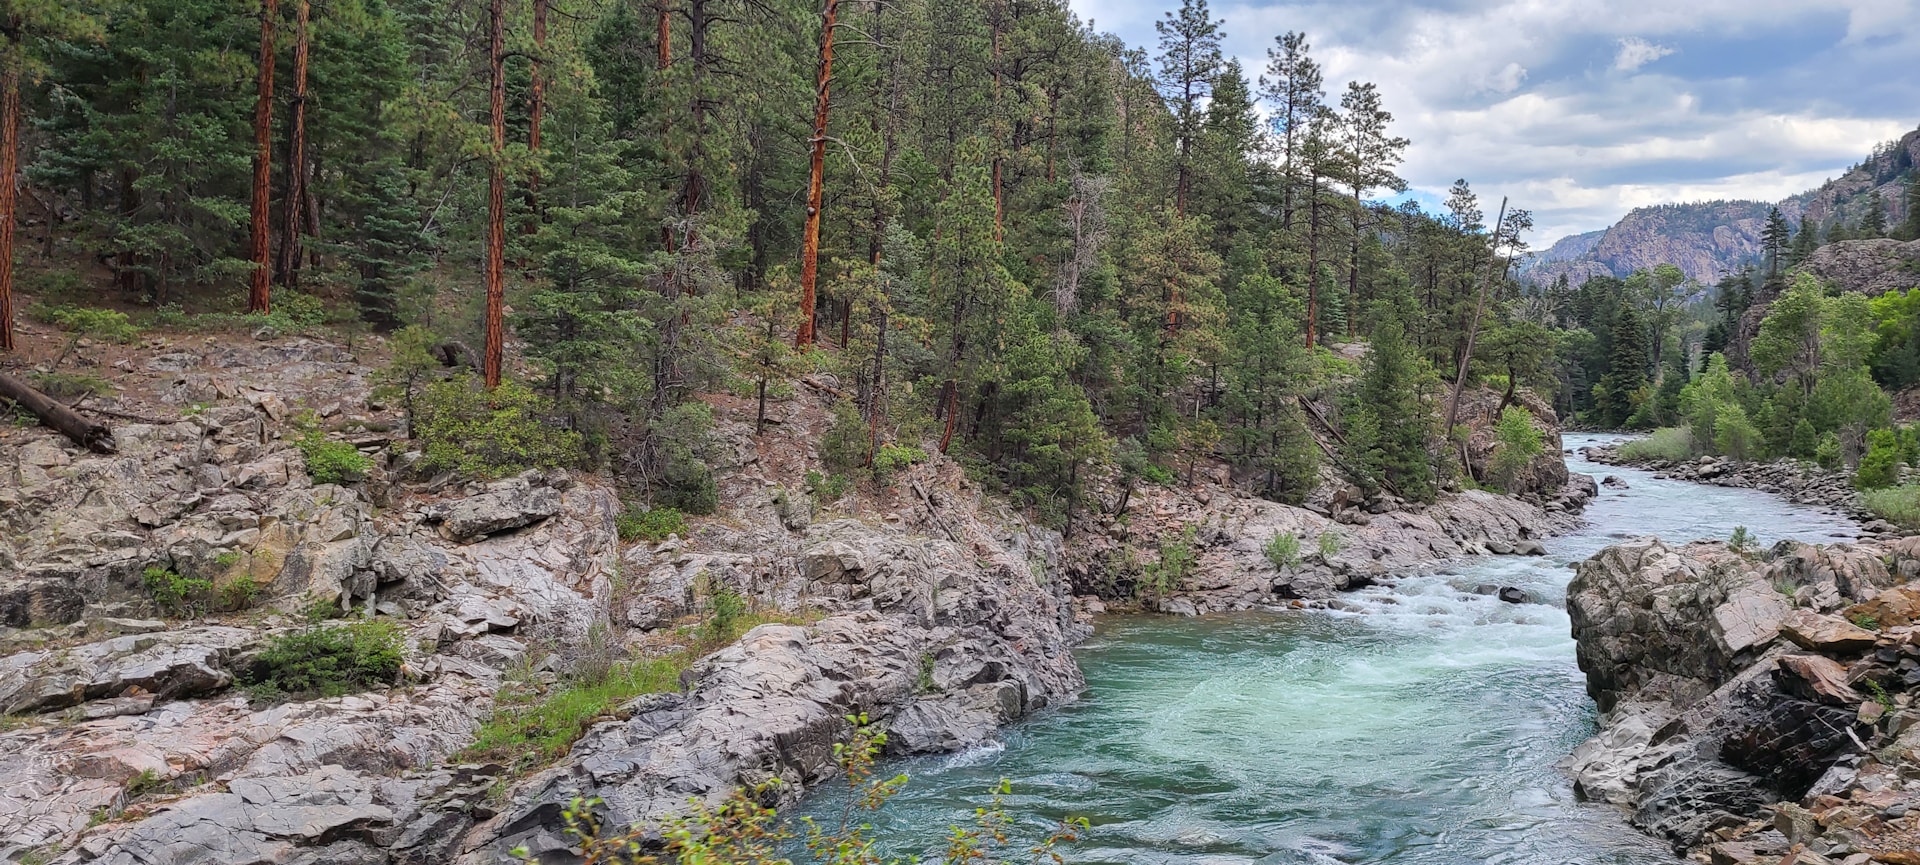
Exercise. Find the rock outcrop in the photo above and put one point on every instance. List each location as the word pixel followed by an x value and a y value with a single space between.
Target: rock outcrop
pixel 1733 686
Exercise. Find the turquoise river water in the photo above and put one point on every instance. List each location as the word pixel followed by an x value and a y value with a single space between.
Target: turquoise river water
pixel 1425 729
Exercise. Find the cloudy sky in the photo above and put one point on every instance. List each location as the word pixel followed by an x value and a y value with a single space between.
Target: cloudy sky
pixel 1584 109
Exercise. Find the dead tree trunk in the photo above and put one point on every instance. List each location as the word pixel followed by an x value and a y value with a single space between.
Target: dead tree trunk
pixel 816 180
pixel 92 436
pixel 259 299
pixel 495 349
pixel 296 195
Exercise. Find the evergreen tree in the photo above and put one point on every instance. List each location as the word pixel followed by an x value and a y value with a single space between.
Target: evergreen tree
pixel 1620 392
pixel 1190 61
pixel 1773 241
pixel 1874 222
pixel 1910 227
pixel 1393 419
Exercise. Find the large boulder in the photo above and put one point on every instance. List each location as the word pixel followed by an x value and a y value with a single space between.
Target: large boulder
pixel 167 665
pixel 507 505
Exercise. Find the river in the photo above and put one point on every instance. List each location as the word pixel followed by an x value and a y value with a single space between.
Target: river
pixel 1425 728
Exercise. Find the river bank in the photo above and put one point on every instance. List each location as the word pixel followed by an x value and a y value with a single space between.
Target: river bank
pixel 1798 481
pixel 926 603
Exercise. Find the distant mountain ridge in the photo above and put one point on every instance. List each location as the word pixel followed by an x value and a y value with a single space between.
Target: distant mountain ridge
pixel 1711 239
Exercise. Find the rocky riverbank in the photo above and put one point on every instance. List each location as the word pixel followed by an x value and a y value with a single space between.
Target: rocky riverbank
pixel 927 604
pixel 1757 708
pixel 1797 481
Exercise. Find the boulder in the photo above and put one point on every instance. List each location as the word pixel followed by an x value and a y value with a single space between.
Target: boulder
pixel 1891 608
pixel 168 665
pixel 40 603
pixel 1515 595
pixel 1818 633
pixel 1817 678
pixel 514 505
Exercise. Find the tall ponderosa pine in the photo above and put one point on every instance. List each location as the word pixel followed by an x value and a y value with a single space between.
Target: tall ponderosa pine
pixel 494 354
pixel 259 299
pixel 1773 241
pixel 1293 85
pixel 1190 59
pixel 816 178
pixel 1371 156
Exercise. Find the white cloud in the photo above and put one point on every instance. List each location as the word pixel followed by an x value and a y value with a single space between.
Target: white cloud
pixel 1636 52
pixel 1507 80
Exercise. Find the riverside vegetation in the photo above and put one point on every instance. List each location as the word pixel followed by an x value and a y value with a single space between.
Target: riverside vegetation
pixel 651 446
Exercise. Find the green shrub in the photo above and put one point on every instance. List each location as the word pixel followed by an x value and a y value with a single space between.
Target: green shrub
pixel 650 524
pixel 1154 473
pixel 526 733
pixel 469 431
pixel 1671 443
pixel 1283 550
pixel 1177 557
pixel 333 462
pixel 1880 466
pixel 1329 543
pixel 176 594
pixel 844 447
pixel 1828 453
pixel 328 660
pixel 1742 541
pixel 1804 440
pixel 725 607
pixel 70 385
pixel 825 487
pixel 681 440
pixel 1516 442
pixel 891 460
pixel 83 321
pixel 1897 505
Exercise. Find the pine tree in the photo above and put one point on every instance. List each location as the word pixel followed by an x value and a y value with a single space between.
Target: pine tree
pixel 1293 84
pixel 1371 155
pixel 1773 240
pixel 1190 60
pixel 1620 391
pixel 1388 406
pixel 1910 227
pixel 1874 222
pixel 260 298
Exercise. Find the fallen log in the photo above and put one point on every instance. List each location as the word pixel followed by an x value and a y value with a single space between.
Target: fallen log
pixel 51 412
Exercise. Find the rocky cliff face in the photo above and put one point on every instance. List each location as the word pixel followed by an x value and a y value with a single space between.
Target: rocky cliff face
pixel 1755 706
pixel 1710 240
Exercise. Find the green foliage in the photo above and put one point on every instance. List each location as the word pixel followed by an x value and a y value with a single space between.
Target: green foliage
pixel 327 660
pixel 1169 573
pixel 725 607
pixel 1329 544
pixel 1389 421
pixel 1880 466
pixel 1827 453
pixel 332 462
pixel 1283 550
pixel 70 385
pixel 1516 442
pixel 1865 621
pixel 1671 444
pixel 680 442
pixel 175 594
pixel 105 324
pixel 1897 505
pixel 891 460
pixel 636 523
pixel 1743 541
pixel 531 730
pixel 1805 441
pixel 469 431
pixel 844 447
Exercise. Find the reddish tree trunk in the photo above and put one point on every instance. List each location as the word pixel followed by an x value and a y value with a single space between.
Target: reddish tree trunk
pixel 816 179
pixel 495 351
pixel 664 39
pixel 259 299
pixel 9 165
pixel 296 153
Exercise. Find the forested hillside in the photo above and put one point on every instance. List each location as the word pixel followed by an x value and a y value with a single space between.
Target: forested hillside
pixel 1004 235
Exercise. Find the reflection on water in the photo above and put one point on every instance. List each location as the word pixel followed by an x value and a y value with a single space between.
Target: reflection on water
pixel 1425 730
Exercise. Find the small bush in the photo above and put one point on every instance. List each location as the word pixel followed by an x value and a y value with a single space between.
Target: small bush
pixel 328 660
pixel 1329 543
pixel 1743 541
pixel 174 593
pixel 70 385
pixel 1880 466
pixel 1828 453
pixel 1671 443
pixel 333 462
pixel 472 432
pixel 1177 557
pixel 650 524
pixel 844 447
pixel 1897 505
pixel 891 460
pixel 1283 550
pixel 725 609
pixel 238 593
pixel 1153 473
pixel 681 441
pixel 97 323
pixel 1516 442
pixel 827 487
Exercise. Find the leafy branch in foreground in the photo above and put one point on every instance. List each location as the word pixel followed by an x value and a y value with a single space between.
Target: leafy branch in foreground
pixel 741 831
